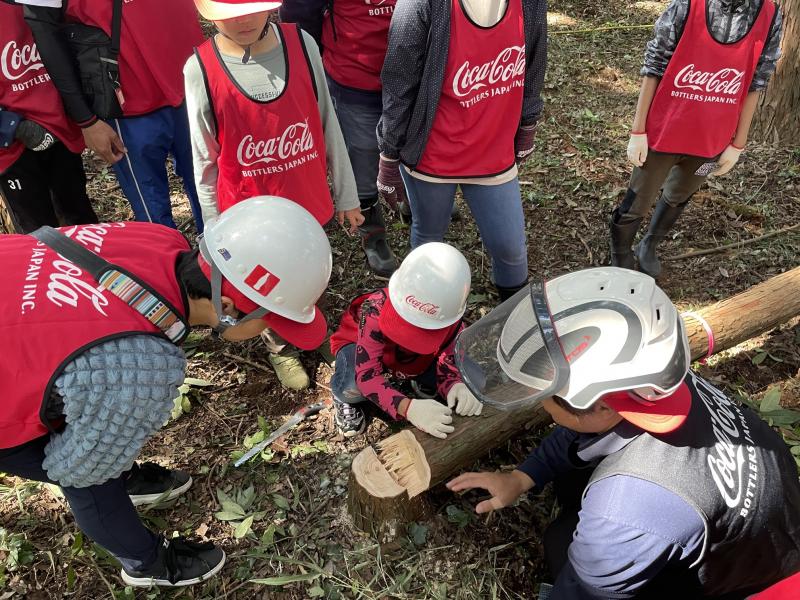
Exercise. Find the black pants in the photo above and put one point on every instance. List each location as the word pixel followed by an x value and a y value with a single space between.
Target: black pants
pixel 103 512
pixel 47 188
pixel 558 535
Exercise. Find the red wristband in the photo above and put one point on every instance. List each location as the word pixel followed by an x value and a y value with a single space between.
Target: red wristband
pixel 643 132
pixel 737 147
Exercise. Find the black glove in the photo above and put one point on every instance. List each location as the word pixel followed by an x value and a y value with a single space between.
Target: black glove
pixel 34 136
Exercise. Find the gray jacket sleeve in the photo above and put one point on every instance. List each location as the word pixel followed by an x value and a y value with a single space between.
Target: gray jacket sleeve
pixel 116 395
pixel 535 15
pixel 666 33
pixel 770 55
pixel 402 70
pixel 203 132
pixel 345 196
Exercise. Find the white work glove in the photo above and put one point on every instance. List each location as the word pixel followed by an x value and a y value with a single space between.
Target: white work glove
pixel 431 417
pixel 465 401
pixel 637 148
pixel 726 160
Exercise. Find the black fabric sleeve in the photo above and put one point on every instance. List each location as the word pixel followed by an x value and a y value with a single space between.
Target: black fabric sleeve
pixel 57 58
pixel 307 14
pixel 535 16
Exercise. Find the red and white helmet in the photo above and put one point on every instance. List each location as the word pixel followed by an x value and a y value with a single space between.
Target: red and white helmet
pixel 427 295
pixel 580 337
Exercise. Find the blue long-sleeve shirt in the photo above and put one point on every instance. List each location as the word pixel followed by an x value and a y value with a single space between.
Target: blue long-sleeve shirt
pixel 629 529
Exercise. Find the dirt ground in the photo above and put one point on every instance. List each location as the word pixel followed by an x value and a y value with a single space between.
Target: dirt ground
pixel 299 541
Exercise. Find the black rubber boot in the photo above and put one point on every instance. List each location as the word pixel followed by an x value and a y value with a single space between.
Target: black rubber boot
pixel 380 257
pixel 506 292
pixel 664 217
pixel 622 235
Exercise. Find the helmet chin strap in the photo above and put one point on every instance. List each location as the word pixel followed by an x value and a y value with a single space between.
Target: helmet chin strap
pixel 224 322
pixel 246 55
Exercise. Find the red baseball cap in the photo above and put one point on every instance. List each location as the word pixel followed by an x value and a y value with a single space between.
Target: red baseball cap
pixel 660 416
pixel 306 336
pixel 411 337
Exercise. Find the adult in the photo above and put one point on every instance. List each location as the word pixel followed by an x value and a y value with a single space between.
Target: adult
pixel 41 172
pixel 156 39
pixel 461 99
pixel 353 35
pixel 702 77
pixel 669 488
pixel 91 362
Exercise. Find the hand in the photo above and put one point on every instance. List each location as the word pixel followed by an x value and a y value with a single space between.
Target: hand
pixel 465 401
pixel 104 141
pixel 431 417
pixel 390 184
pixel 523 142
pixel 505 488
pixel 353 216
pixel 637 148
pixel 34 137
pixel 726 160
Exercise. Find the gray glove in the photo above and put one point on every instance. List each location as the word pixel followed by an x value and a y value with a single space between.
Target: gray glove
pixel 34 136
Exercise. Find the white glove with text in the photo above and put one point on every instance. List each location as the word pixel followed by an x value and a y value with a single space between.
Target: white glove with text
pixel 431 417
pixel 637 148
pixel 464 401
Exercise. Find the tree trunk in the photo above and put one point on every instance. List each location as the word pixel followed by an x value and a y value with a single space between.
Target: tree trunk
pixel 777 117
pixel 402 470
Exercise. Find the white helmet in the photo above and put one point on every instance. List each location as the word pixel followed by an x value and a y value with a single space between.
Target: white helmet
pixel 593 332
pixel 272 251
pixel 431 287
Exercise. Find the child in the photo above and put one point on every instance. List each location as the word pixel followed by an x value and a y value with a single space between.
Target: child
pixel 703 73
pixel 406 331
pixel 258 131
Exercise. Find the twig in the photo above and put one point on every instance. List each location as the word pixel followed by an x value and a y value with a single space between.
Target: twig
pixel 100 572
pixel 596 29
pixel 247 361
pixel 733 244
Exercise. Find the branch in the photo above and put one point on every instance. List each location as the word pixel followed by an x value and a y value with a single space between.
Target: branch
pixel 733 244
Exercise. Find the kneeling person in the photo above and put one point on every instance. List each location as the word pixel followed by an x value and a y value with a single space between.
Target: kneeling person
pixel 668 488
pixel 92 316
pixel 406 332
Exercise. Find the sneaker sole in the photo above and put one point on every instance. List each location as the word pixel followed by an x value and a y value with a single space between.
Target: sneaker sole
pixel 141 499
pixel 151 581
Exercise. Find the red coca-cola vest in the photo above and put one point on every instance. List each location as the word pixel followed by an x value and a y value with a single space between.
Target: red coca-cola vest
pixel 355 34
pixel 156 40
pixel 481 102
pixel 273 147
pixel 698 101
pixel 25 86
pixel 396 359
pixel 52 310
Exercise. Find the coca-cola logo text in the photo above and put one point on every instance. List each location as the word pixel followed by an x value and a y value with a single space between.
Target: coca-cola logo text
pixel 725 81
pixel 508 64
pixel 16 61
pixel 424 307
pixel 296 139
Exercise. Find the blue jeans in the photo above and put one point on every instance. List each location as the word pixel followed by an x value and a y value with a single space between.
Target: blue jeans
pixel 343 382
pixel 103 512
pixel 142 172
pixel 358 113
pixel 497 210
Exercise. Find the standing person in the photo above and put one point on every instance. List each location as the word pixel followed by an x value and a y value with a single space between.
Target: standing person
pixel 156 39
pixel 41 172
pixel 406 332
pixel 668 488
pixel 461 99
pixel 91 362
pixel 703 74
pixel 256 131
pixel 353 35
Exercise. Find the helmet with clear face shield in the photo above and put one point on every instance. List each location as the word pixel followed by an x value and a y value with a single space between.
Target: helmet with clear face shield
pixel 580 336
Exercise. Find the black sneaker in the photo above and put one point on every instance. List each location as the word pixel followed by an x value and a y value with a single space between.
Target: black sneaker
pixel 148 482
pixel 179 563
pixel 349 418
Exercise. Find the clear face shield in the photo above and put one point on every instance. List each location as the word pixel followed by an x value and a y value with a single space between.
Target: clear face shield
pixel 512 357
pixel 225 321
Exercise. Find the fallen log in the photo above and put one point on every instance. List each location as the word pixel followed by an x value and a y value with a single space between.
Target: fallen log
pixel 386 487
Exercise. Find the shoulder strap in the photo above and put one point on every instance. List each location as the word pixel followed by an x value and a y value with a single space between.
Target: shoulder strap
pixel 311 74
pixel 116 27
pixel 139 296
